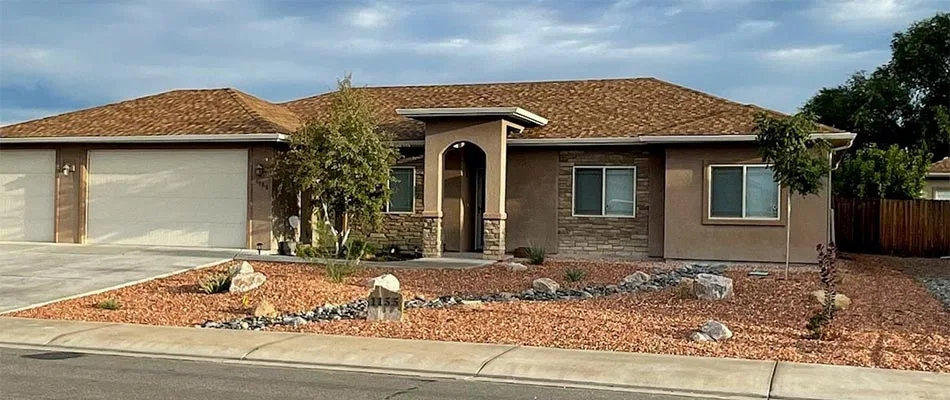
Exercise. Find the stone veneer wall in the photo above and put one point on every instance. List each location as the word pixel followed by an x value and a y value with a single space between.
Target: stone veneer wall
pixel 494 238
pixel 610 237
pixel 403 229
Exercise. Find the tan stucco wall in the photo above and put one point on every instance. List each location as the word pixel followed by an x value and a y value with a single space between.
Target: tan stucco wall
pixel 489 135
pixel 687 237
pixel 532 199
pixel 933 184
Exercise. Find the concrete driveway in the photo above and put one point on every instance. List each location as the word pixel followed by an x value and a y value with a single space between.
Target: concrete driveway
pixel 32 274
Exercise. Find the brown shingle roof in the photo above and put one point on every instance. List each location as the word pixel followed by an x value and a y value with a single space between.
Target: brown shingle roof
pixel 575 109
pixel 942 166
pixel 178 112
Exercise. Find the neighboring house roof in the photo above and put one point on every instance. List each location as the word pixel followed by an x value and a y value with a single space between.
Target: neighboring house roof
pixel 605 108
pixel 940 167
pixel 178 112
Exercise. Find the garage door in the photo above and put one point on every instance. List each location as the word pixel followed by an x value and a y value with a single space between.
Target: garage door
pixel 27 185
pixel 192 198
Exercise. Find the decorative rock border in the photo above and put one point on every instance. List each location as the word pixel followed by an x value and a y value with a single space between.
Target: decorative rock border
pixel 660 279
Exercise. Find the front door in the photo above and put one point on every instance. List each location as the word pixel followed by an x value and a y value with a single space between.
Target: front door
pixel 479 208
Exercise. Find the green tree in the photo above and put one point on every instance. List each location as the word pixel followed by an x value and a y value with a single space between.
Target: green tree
pixel 340 163
pixel 875 173
pixel 797 160
pixel 905 102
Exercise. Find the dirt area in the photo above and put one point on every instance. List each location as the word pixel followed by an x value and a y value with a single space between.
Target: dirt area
pixel 893 323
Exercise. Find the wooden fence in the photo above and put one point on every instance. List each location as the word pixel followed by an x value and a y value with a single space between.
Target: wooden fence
pixel 919 228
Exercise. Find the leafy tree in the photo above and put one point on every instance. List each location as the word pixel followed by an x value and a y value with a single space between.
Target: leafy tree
pixel 875 173
pixel 905 102
pixel 340 163
pixel 797 161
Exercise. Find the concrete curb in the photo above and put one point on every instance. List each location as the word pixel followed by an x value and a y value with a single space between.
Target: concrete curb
pixel 703 377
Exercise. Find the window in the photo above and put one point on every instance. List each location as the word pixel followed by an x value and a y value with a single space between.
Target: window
pixel 941 194
pixel 605 191
pixel 743 191
pixel 403 185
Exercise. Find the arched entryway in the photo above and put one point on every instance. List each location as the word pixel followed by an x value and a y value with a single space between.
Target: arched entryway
pixel 463 198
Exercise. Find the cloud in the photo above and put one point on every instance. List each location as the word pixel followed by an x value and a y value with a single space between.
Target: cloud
pixel 797 57
pixel 873 14
pixel 372 17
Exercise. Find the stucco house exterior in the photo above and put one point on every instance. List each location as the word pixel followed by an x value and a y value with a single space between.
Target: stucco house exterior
pixel 937 185
pixel 619 168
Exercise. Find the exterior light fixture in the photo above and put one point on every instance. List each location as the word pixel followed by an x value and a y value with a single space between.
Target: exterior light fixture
pixel 259 170
pixel 67 168
pixel 259 247
pixel 458 145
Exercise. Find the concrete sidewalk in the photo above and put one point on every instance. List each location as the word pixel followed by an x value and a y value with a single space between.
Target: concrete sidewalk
pixel 707 378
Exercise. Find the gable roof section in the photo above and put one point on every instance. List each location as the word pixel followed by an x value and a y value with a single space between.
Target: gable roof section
pixel 940 167
pixel 617 108
pixel 178 112
pixel 582 109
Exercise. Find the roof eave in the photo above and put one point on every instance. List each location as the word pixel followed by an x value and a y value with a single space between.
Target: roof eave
pixel 842 137
pixel 184 138
pixel 515 113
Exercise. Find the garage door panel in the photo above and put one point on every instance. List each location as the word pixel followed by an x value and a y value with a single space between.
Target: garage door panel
pixel 27 185
pixel 168 197
pixel 168 184
pixel 180 210
pixel 177 162
pixel 170 233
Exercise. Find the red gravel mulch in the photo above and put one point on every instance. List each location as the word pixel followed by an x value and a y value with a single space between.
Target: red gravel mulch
pixel 893 323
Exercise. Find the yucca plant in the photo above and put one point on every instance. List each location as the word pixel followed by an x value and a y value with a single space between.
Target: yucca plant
pixel 337 271
pixel 535 255
pixel 574 274
pixel 109 304
pixel 217 283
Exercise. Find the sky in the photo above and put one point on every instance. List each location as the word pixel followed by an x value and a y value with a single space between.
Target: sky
pixel 63 55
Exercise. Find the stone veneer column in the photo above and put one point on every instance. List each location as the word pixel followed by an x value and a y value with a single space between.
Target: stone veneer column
pixel 494 239
pixel 431 236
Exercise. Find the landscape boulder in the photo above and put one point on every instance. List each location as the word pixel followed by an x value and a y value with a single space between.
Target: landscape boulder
pixel 264 309
pixel 716 330
pixel 387 281
pixel 243 268
pixel 636 278
pixel 685 288
pixel 545 285
pixel 698 336
pixel 842 302
pixel 516 267
pixel 246 282
pixel 712 287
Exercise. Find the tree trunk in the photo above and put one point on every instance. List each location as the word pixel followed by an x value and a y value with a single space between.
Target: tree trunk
pixel 306 217
pixel 788 232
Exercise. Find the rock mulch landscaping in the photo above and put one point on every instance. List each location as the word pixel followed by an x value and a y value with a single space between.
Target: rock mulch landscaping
pixel 544 289
pixel 893 321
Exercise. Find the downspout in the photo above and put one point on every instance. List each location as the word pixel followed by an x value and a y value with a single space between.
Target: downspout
pixel 829 211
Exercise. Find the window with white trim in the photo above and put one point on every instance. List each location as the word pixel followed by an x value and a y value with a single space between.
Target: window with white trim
pixel 605 191
pixel 403 186
pixel 941 194
pixel 743 191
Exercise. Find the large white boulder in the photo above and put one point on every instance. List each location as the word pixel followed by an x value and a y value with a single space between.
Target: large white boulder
pixel 387 281
pixel 712 287
pixel 241 283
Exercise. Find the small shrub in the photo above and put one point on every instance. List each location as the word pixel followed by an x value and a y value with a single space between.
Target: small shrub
pixel 109 304
pixel 535 255
pixel 360 250
pixel 574 274
pixel 827 261
pixel 337 272
pixel 307 252
pixel 218 283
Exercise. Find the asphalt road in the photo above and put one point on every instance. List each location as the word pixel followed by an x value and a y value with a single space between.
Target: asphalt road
pixel 31 374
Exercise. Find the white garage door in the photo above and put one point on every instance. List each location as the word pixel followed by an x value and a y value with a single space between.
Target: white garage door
pixel 27 186
pixel 168 197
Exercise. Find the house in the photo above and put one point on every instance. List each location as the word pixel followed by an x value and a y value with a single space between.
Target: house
pixel 937 184
pixel 591 168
